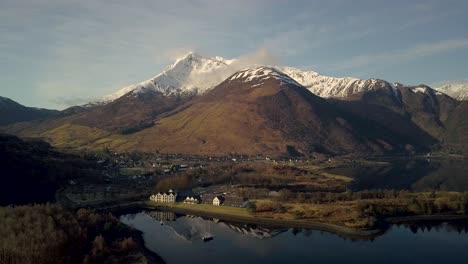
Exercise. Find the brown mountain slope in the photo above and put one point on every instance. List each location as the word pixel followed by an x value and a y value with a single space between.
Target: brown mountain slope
pixel 13 112
pixel 129 113
pixel 81 126
pixel 456 137
pixel 254 111
pixel 264 111
pixel 422 105
pixel 428 108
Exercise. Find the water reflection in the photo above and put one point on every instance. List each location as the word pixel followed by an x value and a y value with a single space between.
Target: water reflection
pixel 413 174
pixel 178 240
pixel 192 228
pixel 460 227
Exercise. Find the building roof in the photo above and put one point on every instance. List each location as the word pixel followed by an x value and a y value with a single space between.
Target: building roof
pixel 167 193
pixel 220 198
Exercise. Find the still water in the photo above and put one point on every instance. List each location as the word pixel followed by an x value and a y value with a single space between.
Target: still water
pixel 179 240
pixel 412 174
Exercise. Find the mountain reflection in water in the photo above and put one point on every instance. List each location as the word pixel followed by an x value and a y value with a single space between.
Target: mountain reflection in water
pixel 179 240
pixel 193 228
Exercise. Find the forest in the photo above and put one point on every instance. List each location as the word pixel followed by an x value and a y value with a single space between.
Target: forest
pixel 50 234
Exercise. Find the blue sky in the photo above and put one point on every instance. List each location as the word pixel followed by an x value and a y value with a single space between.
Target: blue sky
pixel 57 53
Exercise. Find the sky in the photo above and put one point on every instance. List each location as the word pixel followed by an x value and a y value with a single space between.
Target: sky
pixel 57 53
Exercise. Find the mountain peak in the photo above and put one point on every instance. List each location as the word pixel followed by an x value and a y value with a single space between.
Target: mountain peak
pixel 455 89
pixel 187 74
pixel 195 58
pixel 191 55
pixel 262 73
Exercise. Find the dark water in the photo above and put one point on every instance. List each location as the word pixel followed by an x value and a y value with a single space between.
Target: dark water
pixel 415 175
pixel 180 241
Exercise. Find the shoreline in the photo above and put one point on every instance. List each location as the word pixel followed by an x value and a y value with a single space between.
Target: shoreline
pixel 314 225
pixel 289 223
pixel 423 218
pixel 132 206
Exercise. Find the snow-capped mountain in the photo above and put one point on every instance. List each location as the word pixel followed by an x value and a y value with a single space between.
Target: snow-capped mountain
pixel 191 73
pixel 261 74
pixel 194 73
pixel 334 87
pixel 457 90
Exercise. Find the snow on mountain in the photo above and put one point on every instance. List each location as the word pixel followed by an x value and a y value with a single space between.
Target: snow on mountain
pixel 197 74
pixel 424 89
pixel 262 73
pixel 333 87
pixel 457 90
pixel 189 73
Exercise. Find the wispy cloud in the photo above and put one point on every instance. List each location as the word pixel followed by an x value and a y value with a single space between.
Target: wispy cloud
pixel 398 56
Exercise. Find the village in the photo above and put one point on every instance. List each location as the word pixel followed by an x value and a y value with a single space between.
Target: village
pixel 222 199
pixel 128 177
pixel 132 176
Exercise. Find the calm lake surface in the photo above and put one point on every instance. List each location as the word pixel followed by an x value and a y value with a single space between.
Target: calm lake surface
pixel 414 174
pixel 179 240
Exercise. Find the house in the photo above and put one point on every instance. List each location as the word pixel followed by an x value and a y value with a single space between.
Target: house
pixel 208 198
pixel 192 200
pixel 169 197
pixel 218 200
pixel 221 200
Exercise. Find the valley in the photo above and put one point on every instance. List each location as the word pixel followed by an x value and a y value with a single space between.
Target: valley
pixel 344 156
pixel 152 132
pixel 260 111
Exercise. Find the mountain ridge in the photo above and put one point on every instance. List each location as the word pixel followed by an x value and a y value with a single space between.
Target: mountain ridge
pixel 13 112
pixel 194 74
pixel 457 90
pixel 264 109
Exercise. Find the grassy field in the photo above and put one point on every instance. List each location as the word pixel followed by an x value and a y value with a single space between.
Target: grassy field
pixel 359 213
pixel 343 214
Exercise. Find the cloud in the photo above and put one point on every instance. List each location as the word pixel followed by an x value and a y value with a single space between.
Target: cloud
pixel 415 52
pixel 67 101
pixel 259 57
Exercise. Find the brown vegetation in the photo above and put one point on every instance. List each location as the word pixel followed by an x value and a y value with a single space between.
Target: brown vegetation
pixel 50 234
pixel 253 179
pixel 360 209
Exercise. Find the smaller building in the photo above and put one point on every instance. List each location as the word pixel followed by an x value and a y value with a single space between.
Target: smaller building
pixel 218 200
pixel 207 198
pixel 192 200
pixel 222 200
